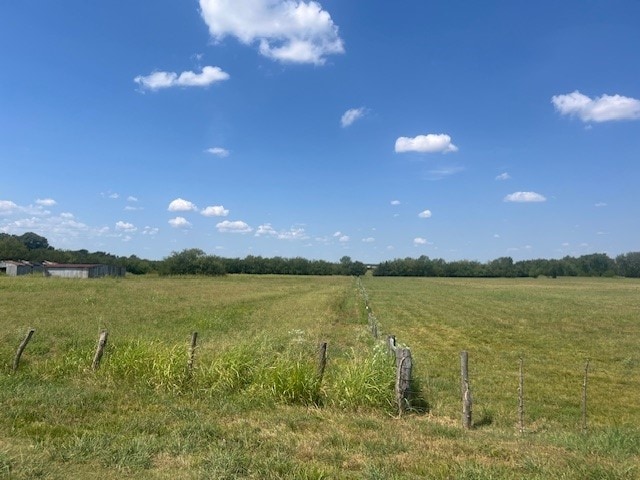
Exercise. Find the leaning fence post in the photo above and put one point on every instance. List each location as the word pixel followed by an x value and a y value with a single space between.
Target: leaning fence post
pixel 192 352
pixel 466 391
pixel 102 343
pixel 584 397
pixel 403 378
pixel 21 348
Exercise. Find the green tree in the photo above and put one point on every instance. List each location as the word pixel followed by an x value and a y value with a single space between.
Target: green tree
pixel 629 264
pixel 12 249
pixel 33 241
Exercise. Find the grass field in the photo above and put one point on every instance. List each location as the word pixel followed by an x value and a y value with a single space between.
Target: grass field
pixel 252 408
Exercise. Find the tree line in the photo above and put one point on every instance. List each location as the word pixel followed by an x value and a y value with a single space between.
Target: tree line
pixel 193 261
pixel 592 265
pixel 35 248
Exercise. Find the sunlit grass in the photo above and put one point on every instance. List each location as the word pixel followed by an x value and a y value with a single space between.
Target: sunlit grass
pixel 253 406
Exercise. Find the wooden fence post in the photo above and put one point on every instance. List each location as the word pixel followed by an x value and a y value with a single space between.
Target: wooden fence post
pixel 521 398
pixel 322 361
pixel 584 397
pixel 21 348
pixel 192 352
pixel 102 343
pixel 403 378
pixel 391 344
pixel 466 391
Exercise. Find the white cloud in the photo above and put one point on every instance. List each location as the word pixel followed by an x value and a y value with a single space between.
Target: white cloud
pixel 600 109
pixel 503 176
pixel 215 211
pixel 344 238
pixel 369 240
pixel 351 116
pixel 600 204
pixel 46 202
pixel 266 229
pixel 7 206
pixel 525 197
pixel 395 202
pixel 132 199
pixel 179 222
pixel 181 205
pixel 233 227
pixel 218 152
pixel 286 30
pixel 131 208
pixel 420 241
pixel 430 143
pixel 158 80
pixel 59 229
pixel 337 234
pixel 294 233
pixel 150 230
pixel 425 214
pixel 125 226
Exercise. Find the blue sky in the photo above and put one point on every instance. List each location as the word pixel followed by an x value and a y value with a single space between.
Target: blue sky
pixel 377 130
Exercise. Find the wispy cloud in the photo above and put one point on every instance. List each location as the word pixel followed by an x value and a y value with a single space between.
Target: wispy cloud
pixel 430 143
pixel 289 31
pixel 294 233
pixel 420 241
pixel 395 202
pixel 525 197
pixel 8 207
pixel 351 116
pixel 218 152
pixel 46 202
pixel 425 214
pixel 443 172
pixel 503 176
pixel 606 108
pixel 158 80
pixel 341 237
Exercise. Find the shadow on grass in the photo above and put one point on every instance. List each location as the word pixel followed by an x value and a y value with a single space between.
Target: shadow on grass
pixel 417 400
pixel 485 419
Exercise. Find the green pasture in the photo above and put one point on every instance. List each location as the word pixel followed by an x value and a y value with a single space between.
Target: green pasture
pixel 254 407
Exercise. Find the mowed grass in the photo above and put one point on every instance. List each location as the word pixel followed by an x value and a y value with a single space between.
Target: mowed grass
pixel 554 325
pixel 251 409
